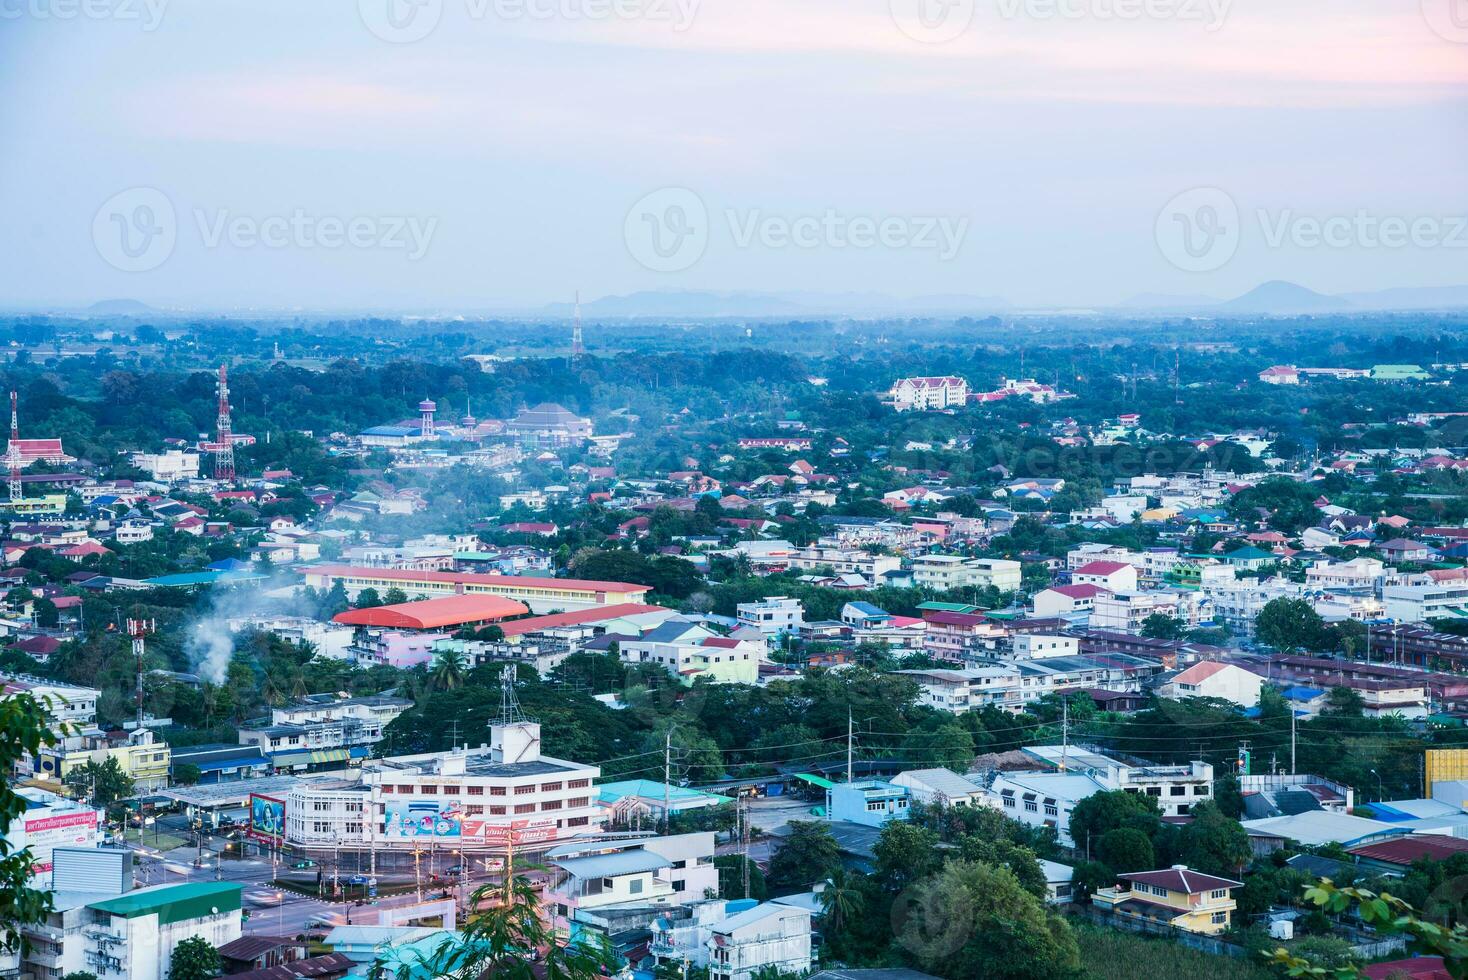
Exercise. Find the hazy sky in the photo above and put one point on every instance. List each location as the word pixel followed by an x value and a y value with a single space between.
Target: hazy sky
pixel 469 154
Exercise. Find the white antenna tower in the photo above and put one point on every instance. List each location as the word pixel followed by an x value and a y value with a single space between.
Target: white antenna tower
pixel 577 348
pixel 510 713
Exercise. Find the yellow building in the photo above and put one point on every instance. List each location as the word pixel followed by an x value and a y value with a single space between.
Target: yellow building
pixel 1445 766
pixel 1177 897
pixel 143 757
pixel 50 503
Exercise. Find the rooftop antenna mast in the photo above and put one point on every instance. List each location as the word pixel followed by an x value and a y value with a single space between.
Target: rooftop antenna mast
pixel 510 713
pixel 12 454
pixel 577 348
pixel 137 629
pixel 224 453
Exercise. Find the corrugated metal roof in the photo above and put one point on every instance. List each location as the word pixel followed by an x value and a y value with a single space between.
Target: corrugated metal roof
pixel 634 861
pixel 176 903
pixel 454 610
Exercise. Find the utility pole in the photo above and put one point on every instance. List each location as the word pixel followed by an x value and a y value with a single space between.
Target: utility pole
pixel 850 733
pixel 1294 719
pixel 1064 733
pixel 667 777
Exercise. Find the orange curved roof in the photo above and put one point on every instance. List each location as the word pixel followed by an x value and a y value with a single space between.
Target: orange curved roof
pixel 427 614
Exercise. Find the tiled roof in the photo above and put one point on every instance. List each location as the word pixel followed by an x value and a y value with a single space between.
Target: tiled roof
pixel 1101 568
pixel 1181 879
pixel 1405 850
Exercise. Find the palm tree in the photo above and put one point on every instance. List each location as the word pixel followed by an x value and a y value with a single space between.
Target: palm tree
pixel 508 923
pixel 449 668
pixel 842 899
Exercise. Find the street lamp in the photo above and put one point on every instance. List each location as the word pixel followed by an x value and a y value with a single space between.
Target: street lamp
pixel 1380 793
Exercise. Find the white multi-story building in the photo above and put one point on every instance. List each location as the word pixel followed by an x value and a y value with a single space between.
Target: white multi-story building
pixel 48 822
pixel 944 572
pixel 1238 603
pixel 1034 646
pixel 172 466
pixel 768 937
pixel 970 689
pixel 689 651
pixel 67 704
pixel 928 394
pixel 1126 611
pixel 595 878
pixel 771 616
pixel 844 561
pixel 1046 797
pixel 463 799
pixel 133 936
pixel 734 944
pixel 329 640
pixel 1420 603
pixel 297 734
pixel 1356 575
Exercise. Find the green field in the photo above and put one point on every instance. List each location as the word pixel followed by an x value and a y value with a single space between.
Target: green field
pixel 1114 955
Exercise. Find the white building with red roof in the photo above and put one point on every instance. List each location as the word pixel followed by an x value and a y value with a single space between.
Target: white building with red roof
pixel 1280 374
pixel 1113 576
pixel 1214 679
pixel 928 394
pixel 1064 601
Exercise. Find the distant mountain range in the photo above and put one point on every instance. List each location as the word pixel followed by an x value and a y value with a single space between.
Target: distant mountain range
pixel 694 303
pixel 1276 298
pixel 1280 298
pixel 119 307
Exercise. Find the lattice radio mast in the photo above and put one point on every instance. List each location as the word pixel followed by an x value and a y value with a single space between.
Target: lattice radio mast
pixel 224 452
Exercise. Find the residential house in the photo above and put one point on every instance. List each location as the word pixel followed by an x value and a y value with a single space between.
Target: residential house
pixel 1215 679
pixel 689 651
pixel 1187 900
pixel 1114 576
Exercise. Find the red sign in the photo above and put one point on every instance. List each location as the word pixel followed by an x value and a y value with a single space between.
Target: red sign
pixel 516 832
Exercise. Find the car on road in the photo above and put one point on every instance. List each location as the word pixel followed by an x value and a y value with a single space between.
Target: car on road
pixel 262 898
pixel 455 870
pixel 326 920
pixel 175 867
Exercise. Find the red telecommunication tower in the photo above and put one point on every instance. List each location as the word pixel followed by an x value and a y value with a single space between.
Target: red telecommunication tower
pixel 224 451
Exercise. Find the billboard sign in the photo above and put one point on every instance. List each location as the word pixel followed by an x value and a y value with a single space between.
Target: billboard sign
pixel 423 819
pixel 43 834
pixel 267 818
pixel 518 833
